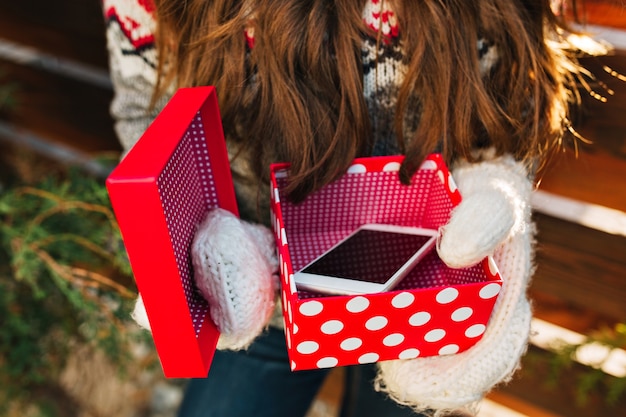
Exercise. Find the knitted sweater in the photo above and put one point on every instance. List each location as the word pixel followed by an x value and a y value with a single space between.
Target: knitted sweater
pixel 130 26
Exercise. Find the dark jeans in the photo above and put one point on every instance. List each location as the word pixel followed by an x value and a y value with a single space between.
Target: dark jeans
pixel 259 383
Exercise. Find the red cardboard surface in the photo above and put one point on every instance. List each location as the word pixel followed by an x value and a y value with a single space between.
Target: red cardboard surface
pixel 435 310
pixel 160 191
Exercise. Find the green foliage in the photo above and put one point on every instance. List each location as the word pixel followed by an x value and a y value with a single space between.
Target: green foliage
pixel 64 278
pixel 615 388
pixel 591 379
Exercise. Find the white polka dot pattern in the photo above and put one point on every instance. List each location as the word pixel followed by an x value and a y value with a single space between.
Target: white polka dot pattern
pixel 187 189
pixel 435 310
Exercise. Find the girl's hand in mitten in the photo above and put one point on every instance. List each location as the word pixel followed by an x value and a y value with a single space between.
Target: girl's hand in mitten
pixel 494 217
pixel 496 194
pixel 235 269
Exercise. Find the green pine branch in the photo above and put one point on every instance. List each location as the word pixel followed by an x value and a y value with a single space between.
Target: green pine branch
pixel 64 276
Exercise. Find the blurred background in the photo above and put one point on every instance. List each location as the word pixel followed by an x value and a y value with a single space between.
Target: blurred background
pixel 67 345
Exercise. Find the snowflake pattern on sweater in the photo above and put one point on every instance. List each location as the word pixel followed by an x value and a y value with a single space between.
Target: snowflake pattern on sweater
pixel 132 23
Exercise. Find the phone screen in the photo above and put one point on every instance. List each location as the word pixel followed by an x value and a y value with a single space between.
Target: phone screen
pixel 368 255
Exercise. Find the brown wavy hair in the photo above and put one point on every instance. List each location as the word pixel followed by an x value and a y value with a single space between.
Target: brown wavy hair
pixel 306 103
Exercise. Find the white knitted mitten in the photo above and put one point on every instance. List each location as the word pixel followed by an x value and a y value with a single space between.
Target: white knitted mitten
pixel 235 269
pixel 446 383
pixel 495 196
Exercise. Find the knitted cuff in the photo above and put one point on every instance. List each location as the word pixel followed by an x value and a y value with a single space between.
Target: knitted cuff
pixel 139 314
pixel 495 207
pixel 235 270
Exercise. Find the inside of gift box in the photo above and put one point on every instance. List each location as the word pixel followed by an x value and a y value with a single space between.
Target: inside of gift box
pixel 187 190
pixel 331 214
pixel 431 272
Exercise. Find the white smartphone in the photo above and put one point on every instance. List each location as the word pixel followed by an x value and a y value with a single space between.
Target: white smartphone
pixel 372 259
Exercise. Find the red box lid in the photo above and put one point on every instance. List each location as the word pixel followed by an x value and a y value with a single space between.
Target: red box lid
pixel 160 191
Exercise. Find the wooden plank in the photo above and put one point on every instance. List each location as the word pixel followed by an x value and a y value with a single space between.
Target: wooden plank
pixel 604 122
pixel 596 172
pixel 594 177
pixel 557 310
pixel 61 109
pixel 54 103
pixel 610 13
pixel 69 28
pixel 523 407
pixel 582 266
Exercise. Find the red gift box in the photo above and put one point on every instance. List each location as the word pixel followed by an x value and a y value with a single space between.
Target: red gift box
pixel 179 170
pixel 435 310
pixel 160 191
